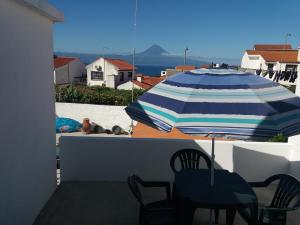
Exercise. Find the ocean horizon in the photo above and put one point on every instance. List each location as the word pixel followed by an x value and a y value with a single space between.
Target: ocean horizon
pixel 150 70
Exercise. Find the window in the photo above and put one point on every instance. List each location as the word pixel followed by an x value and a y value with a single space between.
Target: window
pixel 270 66
pixel 253 57
pixel 129 74
pixel 121 76
pixel 97 75
pixel 292 68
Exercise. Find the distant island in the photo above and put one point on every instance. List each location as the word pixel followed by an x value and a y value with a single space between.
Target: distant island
pixel 154 59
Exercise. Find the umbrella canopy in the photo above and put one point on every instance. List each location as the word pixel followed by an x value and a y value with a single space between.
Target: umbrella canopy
pixel 221 102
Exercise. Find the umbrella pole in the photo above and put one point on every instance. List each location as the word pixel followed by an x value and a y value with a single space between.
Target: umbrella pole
pixel 212 169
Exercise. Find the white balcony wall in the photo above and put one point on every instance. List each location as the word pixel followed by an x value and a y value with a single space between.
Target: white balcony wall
pixel 113 159
pixel 295 141
pixel 27 134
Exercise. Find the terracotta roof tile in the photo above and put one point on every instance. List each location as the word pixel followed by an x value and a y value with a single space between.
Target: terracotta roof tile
pixel 61 61
pixel 148 82
pixel 260 47
pixel 184 68
pixel 121 64
pixel 288 56
pixel 144 131
pixel 205 66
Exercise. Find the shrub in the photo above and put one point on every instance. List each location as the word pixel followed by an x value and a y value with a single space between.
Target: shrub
pixel 278 138
pixel 94 95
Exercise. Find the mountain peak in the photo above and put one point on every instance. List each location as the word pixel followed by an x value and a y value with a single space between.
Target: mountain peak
pixel 154 50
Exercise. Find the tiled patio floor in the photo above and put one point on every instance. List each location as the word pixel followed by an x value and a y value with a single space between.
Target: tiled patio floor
pixel 111 203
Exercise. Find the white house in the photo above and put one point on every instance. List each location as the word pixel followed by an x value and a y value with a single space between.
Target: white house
pixel 27 134
pixel 108 72
pixel 68 70
pixel 141 82
pixel 269 60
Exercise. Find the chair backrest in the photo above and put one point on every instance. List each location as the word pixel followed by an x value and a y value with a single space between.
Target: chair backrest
pixel 287 194
pixel 133 183
pixel 189 159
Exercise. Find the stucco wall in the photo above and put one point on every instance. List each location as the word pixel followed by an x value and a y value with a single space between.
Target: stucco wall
pixel 105 115
pixel 61 75
pixel 253 64
pixel 295 142
pixel 111 74
pixel 27 134
pixel 93 158
pixel 65 74
pixel 108 69
pixel 128 86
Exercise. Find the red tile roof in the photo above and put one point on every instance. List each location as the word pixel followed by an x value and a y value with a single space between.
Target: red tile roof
pixel 121 64
pixel 287 56
pixel 143 131
pixel 184 68
pixel 272 47
pixel 61 61
pixel 205 66
pixel 148 82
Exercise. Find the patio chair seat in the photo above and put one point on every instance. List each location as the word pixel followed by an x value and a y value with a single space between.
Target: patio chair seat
pixel 155 213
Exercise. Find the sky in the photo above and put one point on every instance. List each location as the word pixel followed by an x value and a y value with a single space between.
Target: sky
pixel 209 28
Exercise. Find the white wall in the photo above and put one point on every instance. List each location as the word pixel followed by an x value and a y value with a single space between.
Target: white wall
pixel 253 64
pixel 107 68
pixel 295 142
pixel 128 86
pixel 27 134
pixel 61 75
pixel 111 74
pixel 93 158
pixel 65 74
pixel 105 115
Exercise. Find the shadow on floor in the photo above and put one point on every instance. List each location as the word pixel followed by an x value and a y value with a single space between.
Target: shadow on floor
pixel 111 203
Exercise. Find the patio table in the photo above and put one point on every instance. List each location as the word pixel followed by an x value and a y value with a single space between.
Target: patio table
pixel 230 192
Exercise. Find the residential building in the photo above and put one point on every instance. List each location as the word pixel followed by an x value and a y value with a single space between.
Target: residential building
pixel 68 70
pixel 108 72
pixel 177 69
pixel 98 165
pixel 27 137
pixel 266 60
pixel 141 82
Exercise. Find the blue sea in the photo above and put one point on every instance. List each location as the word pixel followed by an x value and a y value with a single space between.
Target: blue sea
pixel 150 70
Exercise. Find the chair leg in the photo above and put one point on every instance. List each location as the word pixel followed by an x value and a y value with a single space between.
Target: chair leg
pixel 230 214
pixel 217 216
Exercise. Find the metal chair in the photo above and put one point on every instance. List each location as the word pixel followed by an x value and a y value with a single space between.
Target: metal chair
pixel 155 213
pixel 286 198
pixel 190 159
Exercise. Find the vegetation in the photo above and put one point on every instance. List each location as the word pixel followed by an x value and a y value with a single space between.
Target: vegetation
pixel 94 95
pixel 292 88
pixel 278 138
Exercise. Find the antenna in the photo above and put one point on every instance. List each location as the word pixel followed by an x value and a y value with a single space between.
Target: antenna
pixel 185 50
pixel 133 56
pixel 133 53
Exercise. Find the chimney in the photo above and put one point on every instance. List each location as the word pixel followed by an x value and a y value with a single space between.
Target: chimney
pixel 139 78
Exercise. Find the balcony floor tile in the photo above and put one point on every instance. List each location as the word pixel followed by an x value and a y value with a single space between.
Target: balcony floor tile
pixel 111 203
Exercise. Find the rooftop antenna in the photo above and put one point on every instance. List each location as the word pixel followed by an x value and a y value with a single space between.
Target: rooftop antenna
pixel 284 48
pixel 185 50
pixel 133 53
pixel 133 56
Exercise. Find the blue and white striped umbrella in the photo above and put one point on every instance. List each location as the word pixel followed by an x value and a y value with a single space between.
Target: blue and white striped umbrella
pixel 220 102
